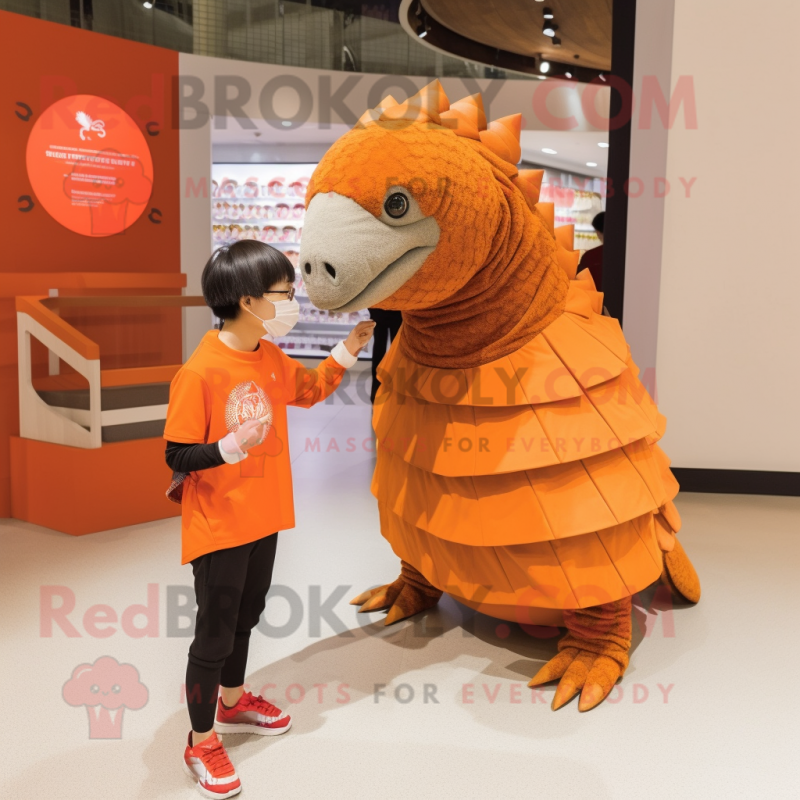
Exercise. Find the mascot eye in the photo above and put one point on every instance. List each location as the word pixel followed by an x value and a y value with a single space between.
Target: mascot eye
pixel 396 205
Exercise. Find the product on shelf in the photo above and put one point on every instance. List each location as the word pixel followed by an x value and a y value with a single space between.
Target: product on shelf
pixel 228 187
pixel 251 188
pixel 276 188
pixel 298 188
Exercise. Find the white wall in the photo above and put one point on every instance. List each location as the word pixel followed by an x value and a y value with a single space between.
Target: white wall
pixel 729 311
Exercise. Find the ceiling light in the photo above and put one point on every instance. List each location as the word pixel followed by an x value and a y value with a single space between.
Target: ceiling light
pixel 425 30
pixel 549 151
pixel 287 123
pixel 591 163
pixel 602 144
pixel 547 13
pixel 542 77
pixel 602 77
pixel 568 74
pixel 549 29
pixel 544 66
pixel 147 5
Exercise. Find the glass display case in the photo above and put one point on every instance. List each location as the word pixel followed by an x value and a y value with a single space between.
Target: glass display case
pixel 265 202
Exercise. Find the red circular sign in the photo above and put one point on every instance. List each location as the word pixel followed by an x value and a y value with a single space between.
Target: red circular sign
pixel 89 165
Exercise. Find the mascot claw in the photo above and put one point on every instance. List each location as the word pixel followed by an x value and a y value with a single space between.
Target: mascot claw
pixel 410 594
pixel 579 671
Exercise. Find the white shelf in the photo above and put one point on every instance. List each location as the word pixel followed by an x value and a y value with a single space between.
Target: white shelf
pixel 251 221
pixel 237 200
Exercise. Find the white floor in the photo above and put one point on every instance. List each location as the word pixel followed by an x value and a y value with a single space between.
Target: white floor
pixel 708 708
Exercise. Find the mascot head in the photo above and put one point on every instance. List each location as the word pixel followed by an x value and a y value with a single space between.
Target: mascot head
pixel 409 205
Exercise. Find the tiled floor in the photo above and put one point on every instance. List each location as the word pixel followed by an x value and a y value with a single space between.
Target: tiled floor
pixel 701 713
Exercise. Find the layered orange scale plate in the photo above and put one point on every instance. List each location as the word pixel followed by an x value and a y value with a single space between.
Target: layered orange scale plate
pixel 531 484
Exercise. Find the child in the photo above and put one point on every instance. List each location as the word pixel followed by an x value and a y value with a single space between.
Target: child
pixel 227 440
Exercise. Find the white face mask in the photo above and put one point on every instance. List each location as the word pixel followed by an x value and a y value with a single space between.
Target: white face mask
pixel 287 313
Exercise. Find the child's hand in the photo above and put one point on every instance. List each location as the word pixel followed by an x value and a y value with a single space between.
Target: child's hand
pixel 249 434
pixel 359 337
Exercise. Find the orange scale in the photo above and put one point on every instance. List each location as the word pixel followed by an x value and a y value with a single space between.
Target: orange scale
pixel 575 429
pixel 671 486
pixel 495 383
pixel 565 236
pixel 585 283
pixel 604 566
pixel 671 515
pixel 646 460
pixel 510 439
pixel 620 410
pixel 629 546
pixel 444 386
pixel 452 508
pixel 542 374
pixel 590 571
pixel 579 302
pixel 606 330
pixel 589 361
pixel 568 261
pixel 510 513
pixel 570 500
pixel 623 489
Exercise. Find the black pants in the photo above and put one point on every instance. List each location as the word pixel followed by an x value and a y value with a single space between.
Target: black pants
pixel 387 323
pixel 231 587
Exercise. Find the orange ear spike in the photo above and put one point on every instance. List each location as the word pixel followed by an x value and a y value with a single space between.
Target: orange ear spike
pixel 568 261
pixel 466 117
pixel 387 102
pixel 370 116
pixel 435 91
pixel 512 123
pixel 472 107
pixel 505 130
pixel 534 178
pixel 529 182
pixel 459 123
pixel 425 106
pixel 548 212
pixel 565 236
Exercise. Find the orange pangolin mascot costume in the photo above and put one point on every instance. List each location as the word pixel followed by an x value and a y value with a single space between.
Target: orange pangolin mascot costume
pixel 517 465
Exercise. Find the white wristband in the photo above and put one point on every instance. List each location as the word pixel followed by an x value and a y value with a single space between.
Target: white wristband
pixel 342 356
pixel 234 457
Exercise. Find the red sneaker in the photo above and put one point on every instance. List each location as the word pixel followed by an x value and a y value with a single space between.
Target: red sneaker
pixel 208 764
pixel 252 714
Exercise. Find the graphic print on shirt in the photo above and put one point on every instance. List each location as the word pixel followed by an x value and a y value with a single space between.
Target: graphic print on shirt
pixel 247 400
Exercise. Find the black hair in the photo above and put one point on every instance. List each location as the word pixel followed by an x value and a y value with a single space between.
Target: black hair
pixel 599 221
pixel 243 269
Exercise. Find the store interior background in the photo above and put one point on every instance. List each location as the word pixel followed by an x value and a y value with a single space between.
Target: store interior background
pixel 710 311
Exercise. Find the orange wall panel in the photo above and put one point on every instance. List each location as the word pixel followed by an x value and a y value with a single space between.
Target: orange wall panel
pixel 79 491
pixel 45 62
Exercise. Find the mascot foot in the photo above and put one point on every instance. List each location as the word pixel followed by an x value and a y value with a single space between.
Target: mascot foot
pixel 680 575
pixel 592 656
pixel 408 595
